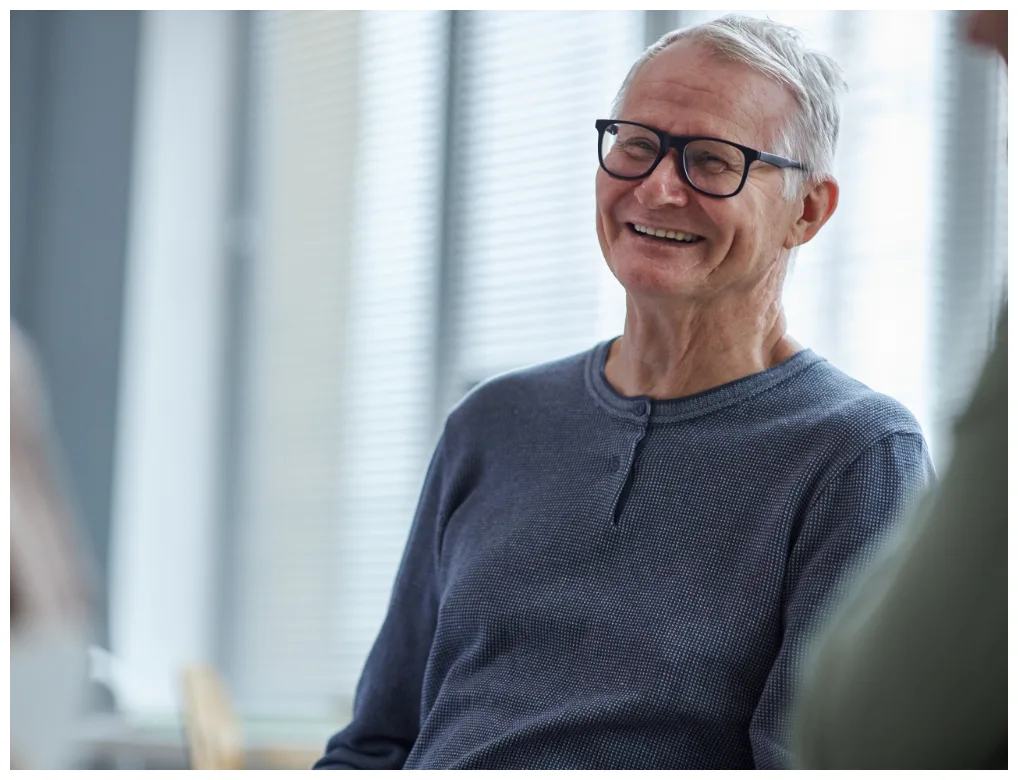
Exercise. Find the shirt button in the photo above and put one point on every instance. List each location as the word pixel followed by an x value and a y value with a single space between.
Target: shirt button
pixel 613 464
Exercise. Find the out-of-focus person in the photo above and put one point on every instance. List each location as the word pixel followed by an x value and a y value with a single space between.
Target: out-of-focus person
pixel 912 671
pixel 50 584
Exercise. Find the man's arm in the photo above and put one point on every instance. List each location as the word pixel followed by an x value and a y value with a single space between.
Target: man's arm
pixel 843 528
pixel 387 706
pixel 913 672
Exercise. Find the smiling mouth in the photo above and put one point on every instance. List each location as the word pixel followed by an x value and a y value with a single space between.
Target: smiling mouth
pixel 666 236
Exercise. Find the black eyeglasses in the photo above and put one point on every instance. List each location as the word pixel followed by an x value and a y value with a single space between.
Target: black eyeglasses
pixel 629 150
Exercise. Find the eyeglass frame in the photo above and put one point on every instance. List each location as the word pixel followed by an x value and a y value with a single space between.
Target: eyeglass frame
pixel 679 144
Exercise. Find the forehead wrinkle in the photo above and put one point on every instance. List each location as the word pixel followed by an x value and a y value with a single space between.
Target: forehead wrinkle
pixel 740 105
pixel 728 119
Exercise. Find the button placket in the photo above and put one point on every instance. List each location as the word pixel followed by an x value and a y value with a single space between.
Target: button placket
pixel 628 463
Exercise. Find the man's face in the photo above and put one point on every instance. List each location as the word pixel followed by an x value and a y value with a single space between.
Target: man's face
pixel 686 90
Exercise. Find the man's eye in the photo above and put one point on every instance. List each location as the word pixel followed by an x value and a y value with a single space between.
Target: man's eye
pixel 711 162
pixel 640 144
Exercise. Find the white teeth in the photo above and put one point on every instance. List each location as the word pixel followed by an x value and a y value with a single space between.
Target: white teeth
pixel 658 233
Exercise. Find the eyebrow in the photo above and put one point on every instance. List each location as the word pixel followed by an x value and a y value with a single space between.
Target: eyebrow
pixel 724 136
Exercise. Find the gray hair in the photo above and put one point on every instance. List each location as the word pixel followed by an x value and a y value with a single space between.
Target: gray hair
pixel 776 50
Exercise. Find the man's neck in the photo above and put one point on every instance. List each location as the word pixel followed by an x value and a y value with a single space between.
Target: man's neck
pixel 673 352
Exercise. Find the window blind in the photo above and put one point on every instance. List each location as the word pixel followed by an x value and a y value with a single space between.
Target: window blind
pixel 387 431
pixel 338 392
pixel 304 74
pixel 530 283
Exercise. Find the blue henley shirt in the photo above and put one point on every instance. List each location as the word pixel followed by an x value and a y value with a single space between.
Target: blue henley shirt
pixel 598 581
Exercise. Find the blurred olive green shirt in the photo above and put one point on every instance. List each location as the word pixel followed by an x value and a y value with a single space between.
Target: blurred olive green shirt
pixel 912 672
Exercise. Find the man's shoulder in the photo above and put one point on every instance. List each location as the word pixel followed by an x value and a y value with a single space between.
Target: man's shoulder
pixel 849 414
pixel 537 389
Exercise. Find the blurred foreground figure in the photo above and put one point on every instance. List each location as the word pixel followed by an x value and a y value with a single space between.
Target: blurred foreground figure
pixel 49 585
pixel 912 673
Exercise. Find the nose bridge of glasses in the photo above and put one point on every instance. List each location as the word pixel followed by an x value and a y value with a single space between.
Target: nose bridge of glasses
pixel 671 163
pixel 668 178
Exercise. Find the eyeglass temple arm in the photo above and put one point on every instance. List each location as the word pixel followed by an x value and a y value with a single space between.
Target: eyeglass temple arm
pixel 780 162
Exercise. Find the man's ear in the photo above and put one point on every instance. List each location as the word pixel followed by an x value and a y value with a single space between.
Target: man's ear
pixel 818 204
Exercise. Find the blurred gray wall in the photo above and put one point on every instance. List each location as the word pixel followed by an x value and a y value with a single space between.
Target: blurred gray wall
pixel 72 114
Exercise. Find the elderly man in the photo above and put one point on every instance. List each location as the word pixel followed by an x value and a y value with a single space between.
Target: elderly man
pixel 617 557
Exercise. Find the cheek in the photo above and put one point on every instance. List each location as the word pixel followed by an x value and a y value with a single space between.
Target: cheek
pixel 606 196
pixel 601 238
pixel 757 234
pixel 740 221
pixel 602 220
pixel 723 222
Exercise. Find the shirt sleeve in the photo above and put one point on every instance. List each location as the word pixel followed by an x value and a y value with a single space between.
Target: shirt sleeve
pixel 912 673
pixel 387 704
pixel 843 528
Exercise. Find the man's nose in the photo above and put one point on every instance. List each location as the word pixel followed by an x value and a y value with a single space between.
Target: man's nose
pixel 665 186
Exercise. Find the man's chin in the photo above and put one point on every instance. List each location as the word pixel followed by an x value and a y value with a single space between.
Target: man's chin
pixel 660 278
